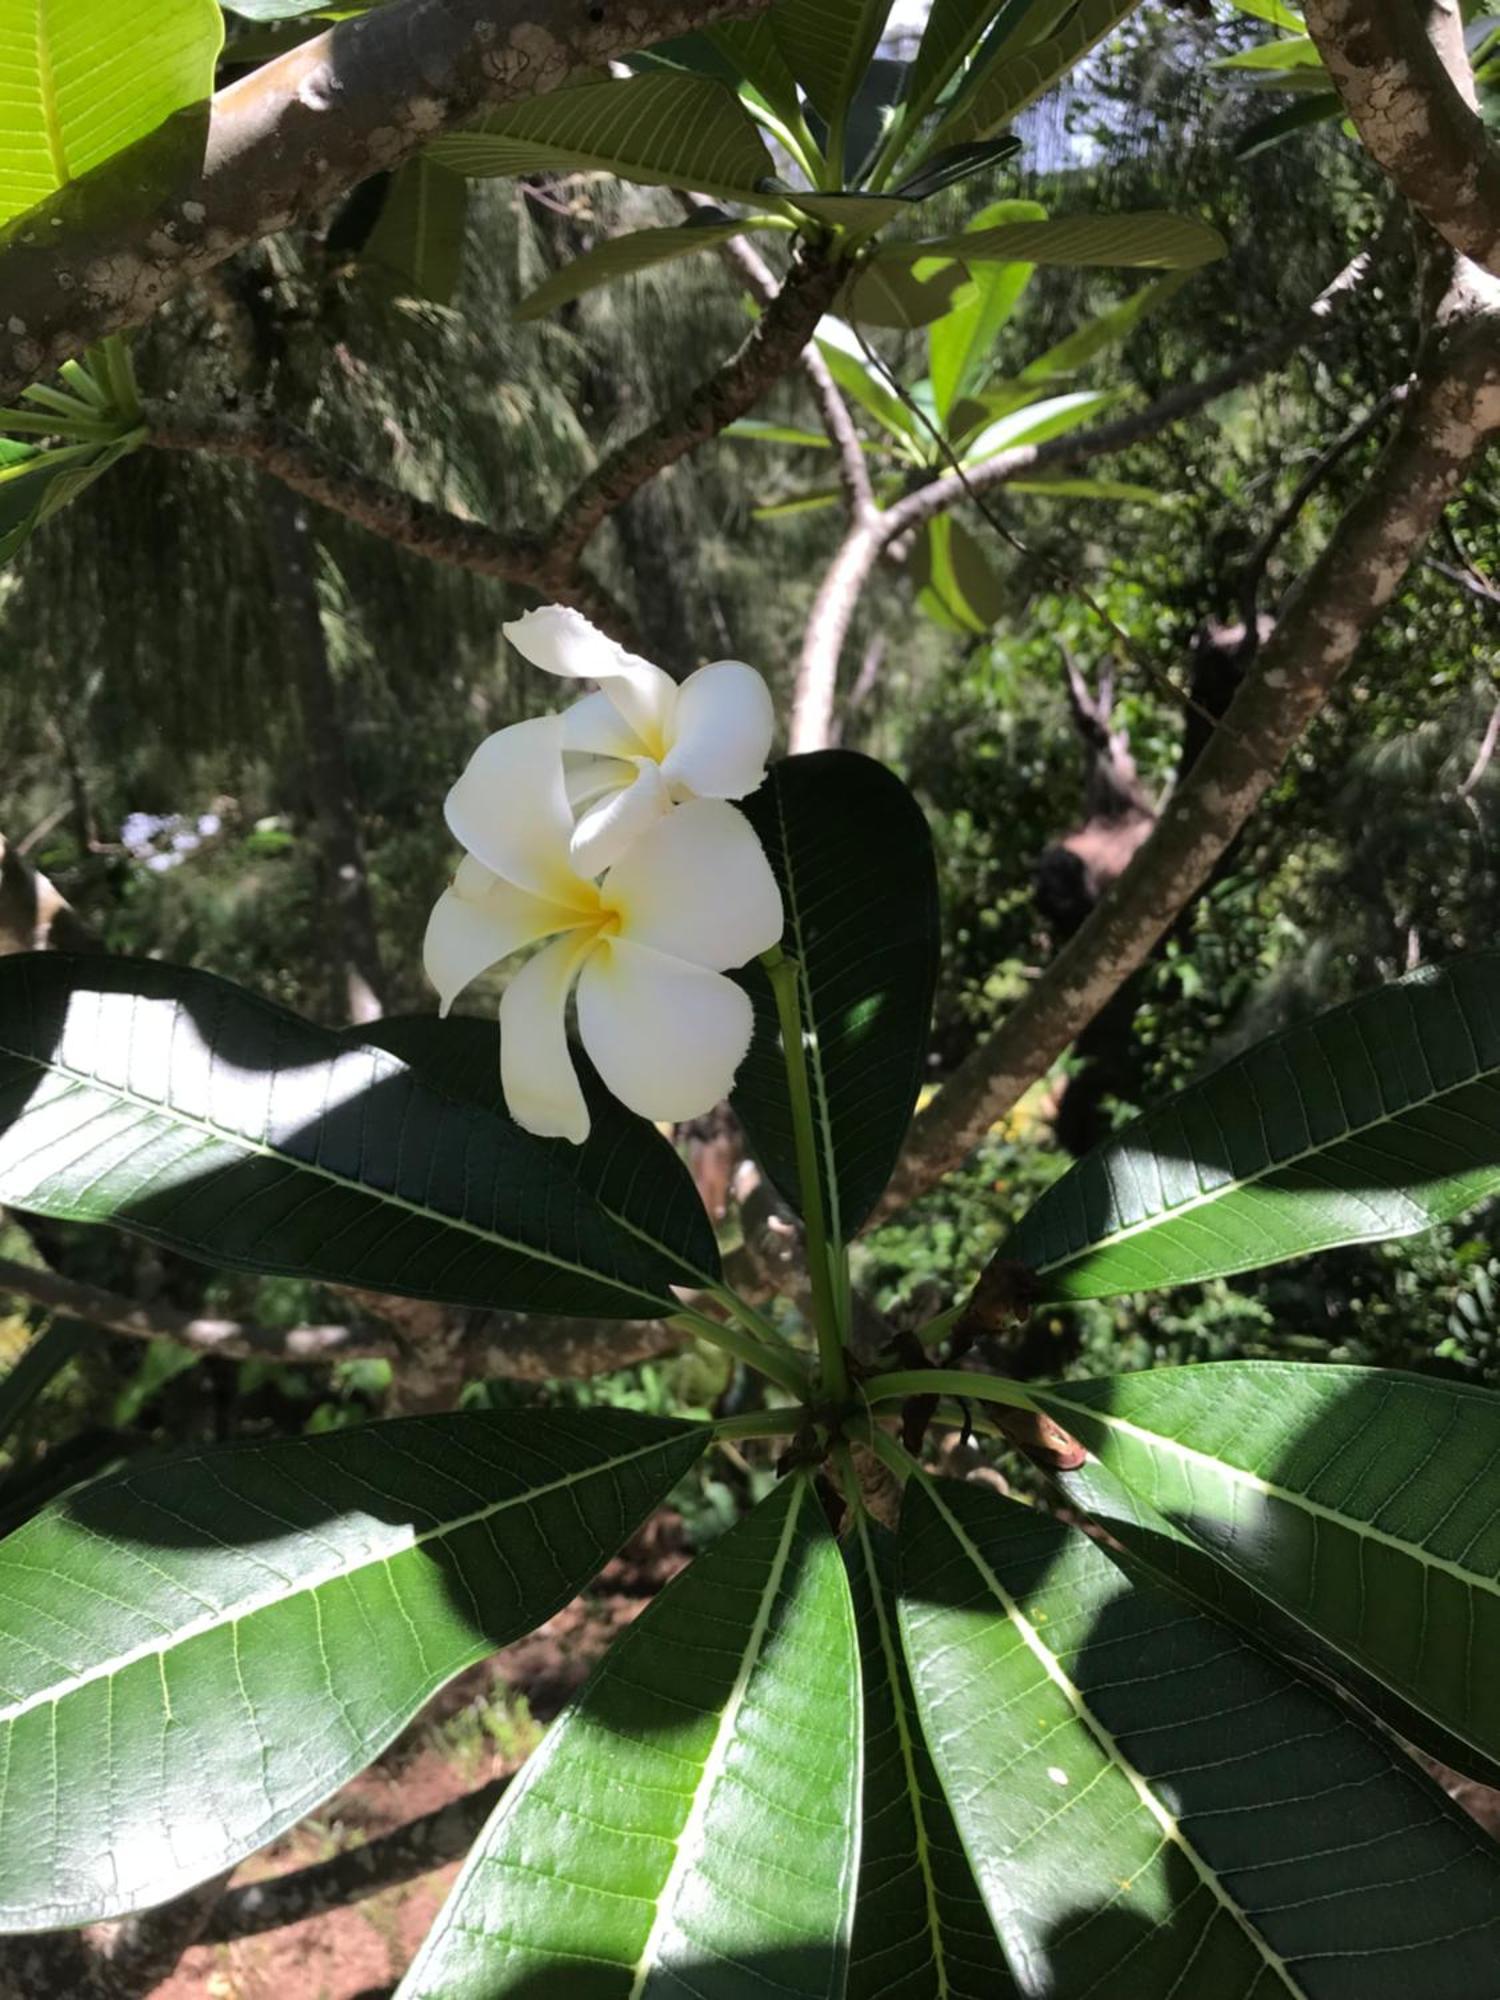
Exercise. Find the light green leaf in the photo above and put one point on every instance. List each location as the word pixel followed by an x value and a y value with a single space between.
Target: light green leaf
pixel 194 1653
pixel 183 1109
pixel 690 1825
pixel 1153 238
pixel 1293 52
pixel 920 1927
pixel 961 345
pixel 666 129
pixel 1015 76
pixel 1053 416
pixel 798 503
pixel 949 563
pixel 1378 1119
pixel 904 295
pixel 624 256
pixel 418 242
pixel 1105 330
pixel 1154 1805
pixel 80 80
pixel 828 45
pixel 840 347
pixel 854 859
pixel 1358 1501
pixel 1273 12
pixel 1091 489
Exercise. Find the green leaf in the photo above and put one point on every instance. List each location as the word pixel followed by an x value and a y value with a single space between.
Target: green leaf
pixel 920 1926
pixel 1016 76
pixel 1154 1805
pixel 952 30
pixel 1293 52
pixel 623 256
pixel 417 244
pixel 1267 132
pixel 798 503
pixel 853 856
pixel 43 1358
pixel 958 163
pixel 665 129
pixel 1152 238
pixel 35 485
pixel 948 562
pixel 635 1174
pixel 752 47
pixel 1273 12
pixel 840 347
pixel 194 1653
pixel 1378 1119
pixel 841 209
pixel 1359 1501
pixel 185 1110
pixel 961 345
pixel 690 1825
pixel 903 295
pixel 1105 330
pixel 81 80
pixel 1034 423
pixel 828 45
pixel 1091 489
pixel 757 430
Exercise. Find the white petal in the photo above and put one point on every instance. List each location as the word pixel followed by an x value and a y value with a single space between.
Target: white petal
pixel 697 884
pixel 562 641
pixel 666 1037
pixel 588 778
pixel 479 921
pixel 510 808
pixel 617 820
pixel 537 1075
pixel 596 725
pixel 722 732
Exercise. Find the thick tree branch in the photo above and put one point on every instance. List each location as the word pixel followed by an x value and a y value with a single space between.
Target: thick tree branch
pixel 284 142
pixel 398 1856
pixel 768 351
pixel 871 535
pixel 1450 414
pixel 1404 75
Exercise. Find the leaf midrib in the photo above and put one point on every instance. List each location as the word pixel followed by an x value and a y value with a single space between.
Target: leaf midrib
pixel 1166 1821
pixel 1209 1197
pixel 812 1039
pixel 1254 1482
pixel 688 1846
pixel 192 1121
pixel 230 1617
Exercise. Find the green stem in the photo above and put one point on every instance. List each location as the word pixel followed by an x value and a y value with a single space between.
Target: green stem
pixel 119 374
pixel 64 405
pixel 783 1368
pixel 906 1382
pixel 763 1424
pixel 33 423
pixel 786 984
pixel 83 385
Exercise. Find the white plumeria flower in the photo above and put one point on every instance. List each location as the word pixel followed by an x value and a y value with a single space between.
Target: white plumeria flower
pixel 644 744
pixel 647 947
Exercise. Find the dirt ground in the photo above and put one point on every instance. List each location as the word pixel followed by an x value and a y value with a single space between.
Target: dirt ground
pixel 480 1727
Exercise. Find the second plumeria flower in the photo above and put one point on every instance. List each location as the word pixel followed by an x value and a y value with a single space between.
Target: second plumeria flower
pixel 647 948
pixel 644 743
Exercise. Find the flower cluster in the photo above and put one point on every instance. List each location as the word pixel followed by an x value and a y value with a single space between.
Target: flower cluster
pixel 607 830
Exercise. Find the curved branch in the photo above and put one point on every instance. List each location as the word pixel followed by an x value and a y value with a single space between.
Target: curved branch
pixel 1404 75
pixel 284 142
pixel 1450 414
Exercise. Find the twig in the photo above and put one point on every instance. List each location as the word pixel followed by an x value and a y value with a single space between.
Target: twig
pixel 1486 751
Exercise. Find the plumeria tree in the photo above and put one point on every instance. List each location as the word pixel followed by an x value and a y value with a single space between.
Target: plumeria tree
pixel 1159 1721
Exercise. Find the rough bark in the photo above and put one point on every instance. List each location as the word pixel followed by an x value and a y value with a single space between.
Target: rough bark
pixel 1401 68
pixel 1449 416
pixel 285 141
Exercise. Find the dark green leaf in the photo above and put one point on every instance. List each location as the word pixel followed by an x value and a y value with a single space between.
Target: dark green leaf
pixel 1147 240
pixel 957 163
pixel 752 47
pixel 850 211
pixel 1152 1804
pixel 195 1652
pixel 947 561
pixel 902 295
pixel 43 1358
pixel 853 856
pixel 920 1926
pixel 1105 330
pixel 828 44
pixel 174 1105
pixel 1380 1118
pixel 1016 73
pixel 417 245
pixel 35 485
pixel 623 257
pixel 665 128
pixel 1266 132
pixel 690 1826
pixel 1359 1501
